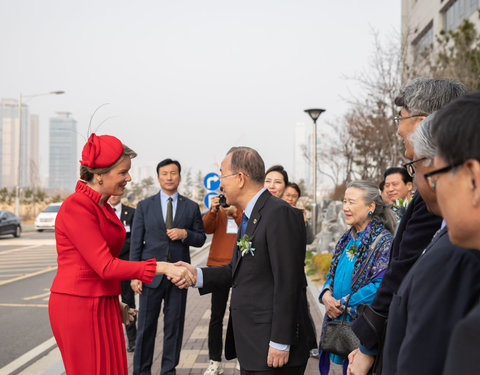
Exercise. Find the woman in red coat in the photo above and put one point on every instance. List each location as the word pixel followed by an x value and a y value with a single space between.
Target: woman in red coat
pixel 84 306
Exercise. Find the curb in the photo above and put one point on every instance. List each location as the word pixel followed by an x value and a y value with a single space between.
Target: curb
pixel 29 358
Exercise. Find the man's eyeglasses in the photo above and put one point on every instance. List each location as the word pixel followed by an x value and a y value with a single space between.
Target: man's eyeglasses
pixel 433 182
pixel 397 119
pixel 231 174
pixel 410 168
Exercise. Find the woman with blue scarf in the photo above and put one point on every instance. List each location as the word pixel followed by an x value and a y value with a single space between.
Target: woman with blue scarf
pixel 372 223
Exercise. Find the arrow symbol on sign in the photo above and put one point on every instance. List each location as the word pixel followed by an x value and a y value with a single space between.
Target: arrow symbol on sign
pixel 210 180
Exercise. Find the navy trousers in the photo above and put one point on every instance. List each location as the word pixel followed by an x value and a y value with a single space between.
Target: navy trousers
pixel 174 300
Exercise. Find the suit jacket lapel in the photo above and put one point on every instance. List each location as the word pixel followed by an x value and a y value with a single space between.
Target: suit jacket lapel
pixel 179 211
pixel 157 211
pixel 252 224
pixel 435 238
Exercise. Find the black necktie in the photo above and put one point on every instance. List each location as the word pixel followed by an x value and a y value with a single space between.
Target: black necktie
pixel 169 219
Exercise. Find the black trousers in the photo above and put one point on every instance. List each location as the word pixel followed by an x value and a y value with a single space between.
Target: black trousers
pixel 277 371
pixel 215 328
pixel 128 297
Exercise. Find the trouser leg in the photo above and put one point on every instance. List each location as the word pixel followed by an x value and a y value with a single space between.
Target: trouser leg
pixel 174 319
pixel 149 310
pixel 215 328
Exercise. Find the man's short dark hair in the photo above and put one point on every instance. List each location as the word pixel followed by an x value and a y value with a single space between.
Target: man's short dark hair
pixel 456 129
pixel 296 187
pixel 278 168
pixel 248 161
pixel 169 161
pixel 403 172
pixel 426 95
pixel 382 185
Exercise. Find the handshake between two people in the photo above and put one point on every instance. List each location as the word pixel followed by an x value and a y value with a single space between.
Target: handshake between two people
pixel 182 274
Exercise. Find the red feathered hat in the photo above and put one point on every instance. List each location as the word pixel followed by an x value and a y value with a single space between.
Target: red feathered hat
pixel 101 151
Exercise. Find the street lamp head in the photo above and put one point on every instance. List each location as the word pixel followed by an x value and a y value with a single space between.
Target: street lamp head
pixel 315 113
pixel 57 92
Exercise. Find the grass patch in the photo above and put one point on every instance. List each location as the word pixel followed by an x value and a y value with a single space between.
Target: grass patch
pixel 317 266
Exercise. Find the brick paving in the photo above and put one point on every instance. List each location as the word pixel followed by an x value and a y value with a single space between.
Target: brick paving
pixel 194 356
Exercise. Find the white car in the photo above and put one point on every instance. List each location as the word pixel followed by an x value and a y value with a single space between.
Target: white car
pixel 46 218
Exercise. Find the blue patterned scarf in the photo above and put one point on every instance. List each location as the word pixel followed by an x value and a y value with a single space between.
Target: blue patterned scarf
pixel 375 268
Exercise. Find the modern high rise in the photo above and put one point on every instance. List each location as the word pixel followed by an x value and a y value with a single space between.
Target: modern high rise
pixel 9 144
pixel 423 20
pixel 63 158
pixel 33 160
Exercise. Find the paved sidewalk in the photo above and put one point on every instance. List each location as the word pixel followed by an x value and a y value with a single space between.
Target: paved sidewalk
pixel 194 356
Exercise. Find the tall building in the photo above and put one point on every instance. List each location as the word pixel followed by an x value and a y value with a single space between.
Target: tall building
pixel 33 175
pixel 423 20
pixel 63 163
pixel 9 144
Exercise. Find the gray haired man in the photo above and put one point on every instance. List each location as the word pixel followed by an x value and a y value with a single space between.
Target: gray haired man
pixel 417 99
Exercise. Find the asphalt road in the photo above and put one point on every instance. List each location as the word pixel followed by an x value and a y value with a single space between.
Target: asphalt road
pixel 27 268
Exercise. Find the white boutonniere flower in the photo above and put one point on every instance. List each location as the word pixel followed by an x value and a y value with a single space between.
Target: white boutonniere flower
pixel 245 245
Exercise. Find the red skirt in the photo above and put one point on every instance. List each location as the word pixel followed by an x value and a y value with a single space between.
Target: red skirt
pixel 89 334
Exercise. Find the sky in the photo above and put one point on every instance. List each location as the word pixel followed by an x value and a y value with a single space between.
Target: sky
pixel 188 79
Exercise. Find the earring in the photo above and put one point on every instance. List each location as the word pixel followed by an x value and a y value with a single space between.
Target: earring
pixel 370 213
pixel 100 182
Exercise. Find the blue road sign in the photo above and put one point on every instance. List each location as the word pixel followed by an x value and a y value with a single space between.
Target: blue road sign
pixel 211 181
pixel 208 199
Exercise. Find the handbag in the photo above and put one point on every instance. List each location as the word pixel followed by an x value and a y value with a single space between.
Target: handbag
pixel 338 337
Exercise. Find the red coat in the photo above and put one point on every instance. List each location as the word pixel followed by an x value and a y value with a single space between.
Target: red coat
pixel 89 238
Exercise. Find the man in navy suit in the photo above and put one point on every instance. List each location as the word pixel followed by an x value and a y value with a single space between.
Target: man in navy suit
pixel 164 227
pixel 269 328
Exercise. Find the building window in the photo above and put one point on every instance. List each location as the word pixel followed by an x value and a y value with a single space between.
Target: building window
pixel 423 42
pixel 457 11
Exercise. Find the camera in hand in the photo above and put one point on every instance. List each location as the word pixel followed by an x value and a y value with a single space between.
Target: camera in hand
pixel 223 201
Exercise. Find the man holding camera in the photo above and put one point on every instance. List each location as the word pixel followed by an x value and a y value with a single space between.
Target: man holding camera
pixel 222 220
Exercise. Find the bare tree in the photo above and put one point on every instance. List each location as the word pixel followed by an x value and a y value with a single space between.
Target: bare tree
pixel 365 142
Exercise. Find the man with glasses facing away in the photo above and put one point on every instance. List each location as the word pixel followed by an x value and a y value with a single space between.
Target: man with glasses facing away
pixel 439 290
pixel 417 99
pixel 456 180
pixel 268 329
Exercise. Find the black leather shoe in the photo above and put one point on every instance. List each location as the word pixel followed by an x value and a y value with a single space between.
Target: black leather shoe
pixel 131 348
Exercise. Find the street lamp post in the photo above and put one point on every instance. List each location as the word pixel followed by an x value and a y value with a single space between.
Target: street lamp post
pixel 314 114
pixel 19 144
